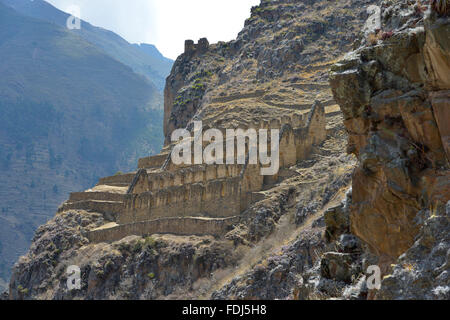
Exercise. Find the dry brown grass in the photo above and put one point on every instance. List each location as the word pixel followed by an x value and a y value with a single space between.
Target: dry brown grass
pixel 372 39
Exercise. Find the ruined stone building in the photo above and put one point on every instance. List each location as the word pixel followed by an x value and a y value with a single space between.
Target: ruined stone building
pixel 161 197
pixel 196 199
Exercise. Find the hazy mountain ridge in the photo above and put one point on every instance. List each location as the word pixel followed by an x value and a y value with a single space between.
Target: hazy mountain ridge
pixel 149 63
pixel 66 106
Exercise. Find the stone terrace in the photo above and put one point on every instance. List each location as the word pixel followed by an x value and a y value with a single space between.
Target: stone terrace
pixel 193 199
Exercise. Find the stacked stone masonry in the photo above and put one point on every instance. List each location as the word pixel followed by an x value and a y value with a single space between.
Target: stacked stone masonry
pixel 193 199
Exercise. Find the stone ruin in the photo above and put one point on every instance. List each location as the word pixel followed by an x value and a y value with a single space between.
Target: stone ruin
pixel 193 199
pixel 190 48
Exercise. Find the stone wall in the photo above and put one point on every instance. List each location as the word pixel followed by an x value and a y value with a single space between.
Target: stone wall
pixel 303 130
pixel 164 197
pixel 394 97
pixel 189 175
pixel 152 162
pixel 219 190
pixel 191 48
pixel 120 179
pixel 215 198
pixel 110 209
pixel 100 196
pixel 180 226
pixel 314 132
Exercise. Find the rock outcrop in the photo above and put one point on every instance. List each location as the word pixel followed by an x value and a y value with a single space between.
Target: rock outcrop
pixel 422 272
pixel 394 93
pixel 396 215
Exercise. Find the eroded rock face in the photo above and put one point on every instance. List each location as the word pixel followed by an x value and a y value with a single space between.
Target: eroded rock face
pixel 423 272
pixel 283 46
pixel 394 93
pixel 274 278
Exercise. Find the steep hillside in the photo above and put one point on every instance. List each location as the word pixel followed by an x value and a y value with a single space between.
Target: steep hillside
pixel 69 114
pixel 394 93
pixel 276 69
pixel 145 59
pixel 160 68
pixel 278 63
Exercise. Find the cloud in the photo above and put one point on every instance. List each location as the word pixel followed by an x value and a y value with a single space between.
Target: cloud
pixel 165 23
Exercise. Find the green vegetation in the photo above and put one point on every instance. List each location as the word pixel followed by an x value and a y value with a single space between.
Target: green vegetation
pixel 181 101
pixel 199 85
pixel 259 10
pixel 23 121
pixel 195 92
pixel 22 290
pixel 150 242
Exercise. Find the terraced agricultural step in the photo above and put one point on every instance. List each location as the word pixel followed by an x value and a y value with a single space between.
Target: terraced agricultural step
pixel 238 96
pixel 110 209
pixel 332 111
pixel 297 107
pixel 310 86
pixel 329 103
pixel 153 161
pixel 100 196
pixel 257 196
pixel 192 185
pixel 120 180
pixel 178 226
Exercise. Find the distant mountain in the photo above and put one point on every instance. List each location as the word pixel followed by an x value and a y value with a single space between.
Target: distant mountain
pixel 151 50
pixel 165 63
pixel 69 113
pixel 144 59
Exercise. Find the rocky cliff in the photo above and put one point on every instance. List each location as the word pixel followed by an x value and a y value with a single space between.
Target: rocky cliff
pixel 313 231
pixel 394 94
pixel 278 63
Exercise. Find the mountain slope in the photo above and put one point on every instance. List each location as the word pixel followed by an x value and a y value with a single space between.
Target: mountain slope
pixel 277 66
pixel 152 65
pixel 69 114
pixel 310 234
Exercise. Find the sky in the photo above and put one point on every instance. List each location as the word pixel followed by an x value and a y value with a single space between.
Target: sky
pixel 165 23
